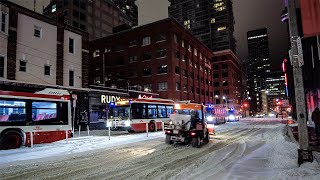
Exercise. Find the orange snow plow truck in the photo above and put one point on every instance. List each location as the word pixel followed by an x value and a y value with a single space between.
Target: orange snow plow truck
pixel 187 125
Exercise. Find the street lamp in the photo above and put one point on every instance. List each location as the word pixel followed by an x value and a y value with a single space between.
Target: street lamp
pixel 223 97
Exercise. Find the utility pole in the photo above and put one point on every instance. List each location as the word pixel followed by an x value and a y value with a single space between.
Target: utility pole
pixel 297 61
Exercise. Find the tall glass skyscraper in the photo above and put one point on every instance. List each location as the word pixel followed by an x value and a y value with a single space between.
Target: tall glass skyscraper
pixel 259 64
pixel 211 21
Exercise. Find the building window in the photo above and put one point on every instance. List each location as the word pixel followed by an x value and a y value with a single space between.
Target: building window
pixel 177 70
pixel 146 56
pixel 224 66
pixel 162 86
pixel 161 53
pixel 162 69
pixel 146 72
pixel 147 87
pixel 225 74
pixel 202 92
pixel 216 84
pixel 178 86
pixel 195 52
pixel 185 88
pixel 202 80
pixel 221 28
pixel 177 54
pixel 213 20
pixel 226 92
pixel 1 66
pixel 54 8
pixel 216 93
pixel 189 48
pixel 23 66
pixel 215 67
pixel 191 89
pixel 211 94
pixel 182 43
pixel 71 78
pixel 185 73
pixel 186 24
pixel 175 38
pixel 3 22
pixel 225 83
pixel 132 74
pixel 132 43
pixel 71 45
pixel 37 31
pixel 198 91
pixel 133 59
pixel 96 53
pixel 207 93
pixel 119 61
pixel 207 81
pixel 161 37
pixel 146 41
pixel 47 70
pixel 191 75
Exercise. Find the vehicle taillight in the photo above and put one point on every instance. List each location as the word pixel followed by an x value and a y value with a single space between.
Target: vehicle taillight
pixel 193 133
pixel 168 132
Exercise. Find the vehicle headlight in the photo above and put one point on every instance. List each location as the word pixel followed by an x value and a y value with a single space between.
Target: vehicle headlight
pixel 127 123
pixel 232 117
pixel 209 118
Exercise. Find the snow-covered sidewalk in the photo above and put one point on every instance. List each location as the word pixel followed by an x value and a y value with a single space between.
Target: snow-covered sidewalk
pixel 74 145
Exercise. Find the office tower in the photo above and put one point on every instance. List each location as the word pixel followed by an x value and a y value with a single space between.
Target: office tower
pixel 211 22
pixel 259 64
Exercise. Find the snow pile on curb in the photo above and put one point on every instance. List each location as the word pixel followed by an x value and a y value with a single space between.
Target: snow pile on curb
pixel 74 145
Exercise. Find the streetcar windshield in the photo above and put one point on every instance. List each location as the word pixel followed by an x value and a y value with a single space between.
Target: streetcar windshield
pixel 121 111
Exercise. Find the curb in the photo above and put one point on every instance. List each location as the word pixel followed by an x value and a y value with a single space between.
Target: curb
pixel 289 134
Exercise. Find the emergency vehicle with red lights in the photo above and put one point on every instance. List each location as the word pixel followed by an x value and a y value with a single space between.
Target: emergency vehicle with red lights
pixel 135 115
pixel 46 114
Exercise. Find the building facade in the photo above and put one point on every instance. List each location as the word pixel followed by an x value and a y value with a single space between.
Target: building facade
pixel 227 78
pixel 34 5
pixel 276 89
pixel 161 57
pixel 212 22
pixel 259 65
pixel 97 17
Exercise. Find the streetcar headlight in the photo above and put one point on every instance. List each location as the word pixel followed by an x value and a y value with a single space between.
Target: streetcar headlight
pixel 127 123
pixel 232 117
pixel 209 118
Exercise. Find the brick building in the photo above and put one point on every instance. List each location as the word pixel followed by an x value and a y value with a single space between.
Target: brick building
pixel 161 57
pixel 228 76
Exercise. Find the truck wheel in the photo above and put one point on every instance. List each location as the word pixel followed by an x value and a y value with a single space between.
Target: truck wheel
pixel 168 139
pixel 196 142
pixel 207 138
pixel 152 127
pixel 10 140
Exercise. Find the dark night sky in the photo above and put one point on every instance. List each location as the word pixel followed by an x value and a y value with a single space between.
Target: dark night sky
pixel 255 14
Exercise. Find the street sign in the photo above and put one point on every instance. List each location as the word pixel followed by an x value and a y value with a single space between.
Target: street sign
pixel 300 52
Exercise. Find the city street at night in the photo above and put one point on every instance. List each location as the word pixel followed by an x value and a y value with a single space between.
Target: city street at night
pixel 249 149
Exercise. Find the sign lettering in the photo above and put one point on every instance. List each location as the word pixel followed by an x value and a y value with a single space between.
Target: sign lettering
pixel 108 99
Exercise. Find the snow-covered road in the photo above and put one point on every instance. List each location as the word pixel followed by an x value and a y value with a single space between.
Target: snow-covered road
pixel 249 149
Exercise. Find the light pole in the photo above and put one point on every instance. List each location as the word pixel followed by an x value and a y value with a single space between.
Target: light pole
pixel 297 61
pixel 226 101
